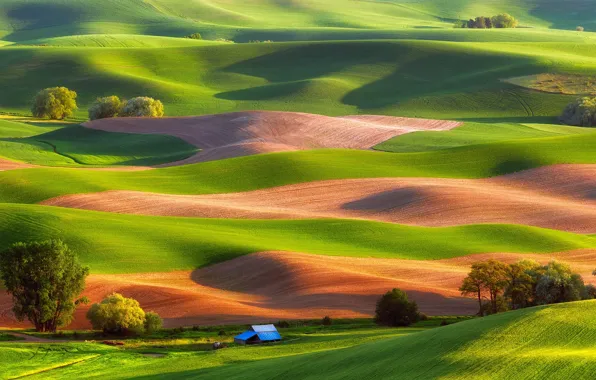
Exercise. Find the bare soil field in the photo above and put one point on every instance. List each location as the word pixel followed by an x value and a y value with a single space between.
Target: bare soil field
pixel 246 133
pixel 560 197
pixel 270 286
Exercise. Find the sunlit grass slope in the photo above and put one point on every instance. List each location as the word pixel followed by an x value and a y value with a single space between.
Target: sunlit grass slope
pixel 44 18
pixel 114 243
pixel 554 342
pixel 475 133
pixel 269 170
pixel 55 145
pixel 407 78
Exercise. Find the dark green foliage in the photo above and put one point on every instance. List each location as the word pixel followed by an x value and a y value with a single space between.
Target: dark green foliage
pixel 394 309
pixel 109 106
pixel 327 321
pixel 523 284
pixel 44 279
pixel 581 112
pixel 194 36
pixel 153 322
pixel 500 21
pixel 283 324
pixel 55 103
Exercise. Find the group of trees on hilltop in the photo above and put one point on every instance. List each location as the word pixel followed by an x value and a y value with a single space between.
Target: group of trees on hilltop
pixel 499 286
pixel 58 103
pixel 501 21
pixel 46 279
pixel 581 112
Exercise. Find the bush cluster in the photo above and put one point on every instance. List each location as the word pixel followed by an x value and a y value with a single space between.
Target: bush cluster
pixel 194 36
pixel 581 112
pixel 119 315
pixel 501 21
pixel 395 309
pixel 112 106
pixel 499 286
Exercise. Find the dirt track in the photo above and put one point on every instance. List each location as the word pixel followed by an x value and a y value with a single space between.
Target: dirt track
pixel 560 197
pixel 270 286
pixel 12 165
pixel 246 133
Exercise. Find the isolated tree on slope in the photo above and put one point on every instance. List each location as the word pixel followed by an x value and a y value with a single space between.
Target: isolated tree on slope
pixel 44 279
pixel 109 106
pixel 55 103
pixel 143 107
pixel 394 309
pixel 120 315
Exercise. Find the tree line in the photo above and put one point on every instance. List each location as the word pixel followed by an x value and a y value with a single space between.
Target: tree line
pixel 501 21
pixel 58 103
pixel 500 287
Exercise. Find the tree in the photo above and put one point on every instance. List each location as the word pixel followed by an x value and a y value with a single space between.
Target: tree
pixel 521 283
pixel 473 285
pixel 580 29
pixel 153 322
pixel 143 107
pixel 55 103
pixel 117 314
pixel 494 279
pixel 504 20
pixel 44 279
pixel 109 106
pixel 581 112
pixel 394 309
pixel 194 36
pixel 559 284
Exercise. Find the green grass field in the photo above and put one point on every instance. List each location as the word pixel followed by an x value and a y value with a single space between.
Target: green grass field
pixel 114 243
pixel 554 341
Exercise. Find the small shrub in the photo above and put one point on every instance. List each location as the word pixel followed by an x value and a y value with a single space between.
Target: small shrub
pixel 109 106
pixel 222 333
pixel 196 328
pixel 444 322
pixel 142 107
pixel 394 309
pixel 423 317
pixel 581 112
pixel 194 36
pixel 283 324
pixel 580 29
pixel 153 322
pixel 327 321
pixel 55 103
pixel 117 315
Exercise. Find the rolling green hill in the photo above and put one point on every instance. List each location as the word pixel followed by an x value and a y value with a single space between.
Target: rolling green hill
pixel 555 342
pixel 114 243
pixel 407 78
pixel 277 169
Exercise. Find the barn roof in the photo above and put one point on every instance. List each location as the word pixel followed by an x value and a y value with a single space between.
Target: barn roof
pixel 268 336
pixel 245 335
pixel 263 328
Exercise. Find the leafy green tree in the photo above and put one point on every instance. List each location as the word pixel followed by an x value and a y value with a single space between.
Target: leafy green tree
pixel 521 283
pixel 474 285
pixel 559 284
pixel 55 103
pixel 504 20
pixel 194 36
pixel 109 106
pixel 143 107
pixel 394 309
pixel 44 279
pixel 153 322
pixel 117 314
pixel 581 112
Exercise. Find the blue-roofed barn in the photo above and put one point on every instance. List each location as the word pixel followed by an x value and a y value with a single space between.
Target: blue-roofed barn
pixel 258 334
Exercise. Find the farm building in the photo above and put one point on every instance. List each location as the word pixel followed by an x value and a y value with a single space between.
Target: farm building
pixel 258 334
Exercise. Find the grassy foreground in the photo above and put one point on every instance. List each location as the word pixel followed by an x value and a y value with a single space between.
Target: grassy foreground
pixel 269 170
pixel 555 342
pixel 114 243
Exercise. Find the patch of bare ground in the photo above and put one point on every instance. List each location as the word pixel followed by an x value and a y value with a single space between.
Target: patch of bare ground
pixel 246 133
pixel 269 286
pixel 560 197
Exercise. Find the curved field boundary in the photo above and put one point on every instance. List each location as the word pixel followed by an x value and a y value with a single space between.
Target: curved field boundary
pixel 559 197
pixel 247 133
pixel 286 285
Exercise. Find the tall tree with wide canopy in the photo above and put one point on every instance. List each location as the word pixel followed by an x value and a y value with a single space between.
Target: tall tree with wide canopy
pixel 45 278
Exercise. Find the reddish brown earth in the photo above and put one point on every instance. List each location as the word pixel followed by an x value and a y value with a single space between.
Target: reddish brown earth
pixel 269 286
pixel 246 133
pixel 560 197
pixel 12 165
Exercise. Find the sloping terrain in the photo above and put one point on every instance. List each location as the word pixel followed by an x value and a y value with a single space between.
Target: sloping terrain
pixel 239 134
pixel 560 197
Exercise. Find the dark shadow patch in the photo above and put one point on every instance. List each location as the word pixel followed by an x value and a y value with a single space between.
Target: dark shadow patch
pixel 392 199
